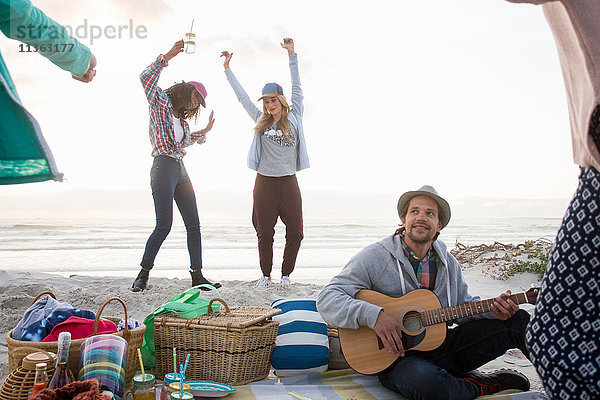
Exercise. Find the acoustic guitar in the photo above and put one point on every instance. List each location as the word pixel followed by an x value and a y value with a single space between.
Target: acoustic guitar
pixel 423 324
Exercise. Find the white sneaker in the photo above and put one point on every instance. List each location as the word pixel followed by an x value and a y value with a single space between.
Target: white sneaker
pixel 285 281
pixel 264 281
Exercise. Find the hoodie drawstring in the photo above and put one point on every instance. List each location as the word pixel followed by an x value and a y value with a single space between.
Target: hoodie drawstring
pixel 404 285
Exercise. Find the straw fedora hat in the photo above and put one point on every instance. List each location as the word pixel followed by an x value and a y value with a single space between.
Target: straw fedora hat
pixel 428 191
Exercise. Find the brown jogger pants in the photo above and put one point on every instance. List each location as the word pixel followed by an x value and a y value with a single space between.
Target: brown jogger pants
pixel 277 197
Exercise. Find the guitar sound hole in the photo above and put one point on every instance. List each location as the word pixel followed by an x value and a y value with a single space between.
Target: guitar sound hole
pixel 412 322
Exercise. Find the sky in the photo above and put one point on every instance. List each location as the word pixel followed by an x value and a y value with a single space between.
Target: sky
pixel 464 95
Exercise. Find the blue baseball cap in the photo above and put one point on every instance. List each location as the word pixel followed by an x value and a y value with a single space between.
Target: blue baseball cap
pixel 271 89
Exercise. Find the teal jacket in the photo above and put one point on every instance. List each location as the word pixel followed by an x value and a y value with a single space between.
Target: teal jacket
pixel 24 155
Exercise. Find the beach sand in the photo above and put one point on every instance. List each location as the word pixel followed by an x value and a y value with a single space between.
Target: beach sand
pixel 17 291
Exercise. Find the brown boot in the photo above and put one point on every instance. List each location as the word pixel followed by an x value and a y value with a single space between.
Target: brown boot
pixel 141 281
pixel 199 279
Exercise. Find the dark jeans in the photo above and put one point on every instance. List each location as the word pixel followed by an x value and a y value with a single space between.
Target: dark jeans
pixel 437 374
pixel 169 180
pixel 277 197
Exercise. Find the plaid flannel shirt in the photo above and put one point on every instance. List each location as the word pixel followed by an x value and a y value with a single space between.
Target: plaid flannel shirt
pixel 425 269
pixel 162 134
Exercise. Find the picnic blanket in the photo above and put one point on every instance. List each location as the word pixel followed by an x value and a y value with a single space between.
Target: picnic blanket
pixel 340 384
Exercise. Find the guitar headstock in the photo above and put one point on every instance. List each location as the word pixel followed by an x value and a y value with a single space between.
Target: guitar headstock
pixel 532 294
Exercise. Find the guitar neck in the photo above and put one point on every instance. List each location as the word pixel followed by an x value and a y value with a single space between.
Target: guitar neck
pixel 432 317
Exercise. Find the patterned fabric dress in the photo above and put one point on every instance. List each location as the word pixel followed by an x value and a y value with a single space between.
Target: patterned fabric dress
pixel 563 336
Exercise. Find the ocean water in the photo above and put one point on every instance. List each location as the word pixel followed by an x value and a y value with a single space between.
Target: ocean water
pixel 115 248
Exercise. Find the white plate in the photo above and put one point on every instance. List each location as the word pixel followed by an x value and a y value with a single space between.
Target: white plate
pixel 210 389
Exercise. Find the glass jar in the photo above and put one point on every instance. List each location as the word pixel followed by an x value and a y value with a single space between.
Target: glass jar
pixel 170 378
pixel 143 387
pixel 181 396
pixel 190 42
pixel 175 387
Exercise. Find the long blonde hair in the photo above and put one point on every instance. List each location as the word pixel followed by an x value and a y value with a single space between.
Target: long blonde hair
pixel 267 120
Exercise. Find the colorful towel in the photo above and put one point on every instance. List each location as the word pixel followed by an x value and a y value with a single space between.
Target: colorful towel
pixel 80 328
pixel 341 384
pixel 37 312
pixel 36 332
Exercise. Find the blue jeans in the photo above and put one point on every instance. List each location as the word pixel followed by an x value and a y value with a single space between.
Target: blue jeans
pixel 437 374
pixel 169 180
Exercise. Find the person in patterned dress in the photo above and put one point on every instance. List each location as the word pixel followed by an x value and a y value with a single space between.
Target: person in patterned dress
pixel 563 335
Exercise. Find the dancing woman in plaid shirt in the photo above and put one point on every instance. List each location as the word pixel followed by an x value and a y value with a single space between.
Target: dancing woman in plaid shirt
pixel 169 134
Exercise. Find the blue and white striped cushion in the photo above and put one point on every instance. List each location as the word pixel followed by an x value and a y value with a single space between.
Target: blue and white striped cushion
pixel 302 345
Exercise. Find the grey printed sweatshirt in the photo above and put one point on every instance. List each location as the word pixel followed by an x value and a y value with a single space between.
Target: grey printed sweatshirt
pixel 376 268
pixel 295 116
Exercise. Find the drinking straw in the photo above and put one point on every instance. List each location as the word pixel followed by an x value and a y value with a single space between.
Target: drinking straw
pixel 175 360
pixel 141 363
pixel 192 27
pixel 182 380
pixel 187 359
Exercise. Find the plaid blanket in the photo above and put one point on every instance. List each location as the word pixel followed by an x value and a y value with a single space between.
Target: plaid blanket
pixel 340 384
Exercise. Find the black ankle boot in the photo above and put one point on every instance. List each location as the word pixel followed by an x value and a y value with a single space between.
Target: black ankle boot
pixel 199 279
pixel 141 281
pixel 490 383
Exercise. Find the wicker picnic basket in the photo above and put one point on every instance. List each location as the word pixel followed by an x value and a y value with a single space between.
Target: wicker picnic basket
pixel 17 348
pixel 232 347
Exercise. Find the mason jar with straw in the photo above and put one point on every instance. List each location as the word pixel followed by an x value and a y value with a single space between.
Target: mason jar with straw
pixel 143 384
pixel 190 40
pixel 170 378
pixel 181 394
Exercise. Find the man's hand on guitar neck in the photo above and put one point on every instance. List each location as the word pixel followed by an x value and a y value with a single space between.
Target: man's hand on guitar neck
pixel 389 332
pixel 504 307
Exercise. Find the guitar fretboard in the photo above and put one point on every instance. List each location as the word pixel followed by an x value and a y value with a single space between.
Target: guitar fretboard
pixel 432 317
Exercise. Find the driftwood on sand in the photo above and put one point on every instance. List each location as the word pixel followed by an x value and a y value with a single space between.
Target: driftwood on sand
pixel 501 260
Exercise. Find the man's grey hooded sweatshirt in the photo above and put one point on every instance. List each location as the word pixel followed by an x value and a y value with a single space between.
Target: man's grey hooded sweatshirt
pixel 376 268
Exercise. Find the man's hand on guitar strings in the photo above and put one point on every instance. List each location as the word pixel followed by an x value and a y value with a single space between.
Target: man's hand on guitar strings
pixel 504 307
pixel 389 332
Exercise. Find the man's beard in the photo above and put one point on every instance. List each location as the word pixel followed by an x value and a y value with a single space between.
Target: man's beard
pixel 423 239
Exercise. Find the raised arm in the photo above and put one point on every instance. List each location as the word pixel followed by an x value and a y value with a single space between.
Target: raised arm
pixel 22 21
pixel 200 136
pixel 149 77
pixel 297 96
pixel 241 94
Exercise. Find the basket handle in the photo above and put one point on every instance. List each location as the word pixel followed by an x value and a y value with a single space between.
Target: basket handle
pixel 41 294
pixel 220 300
pixel 31 350
pixel 126 333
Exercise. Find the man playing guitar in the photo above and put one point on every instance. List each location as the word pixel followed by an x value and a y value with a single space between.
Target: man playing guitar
pixel 413 258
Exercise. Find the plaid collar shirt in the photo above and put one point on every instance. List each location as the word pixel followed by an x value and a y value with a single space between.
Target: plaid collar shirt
pixel 162 133
pixel 425 269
